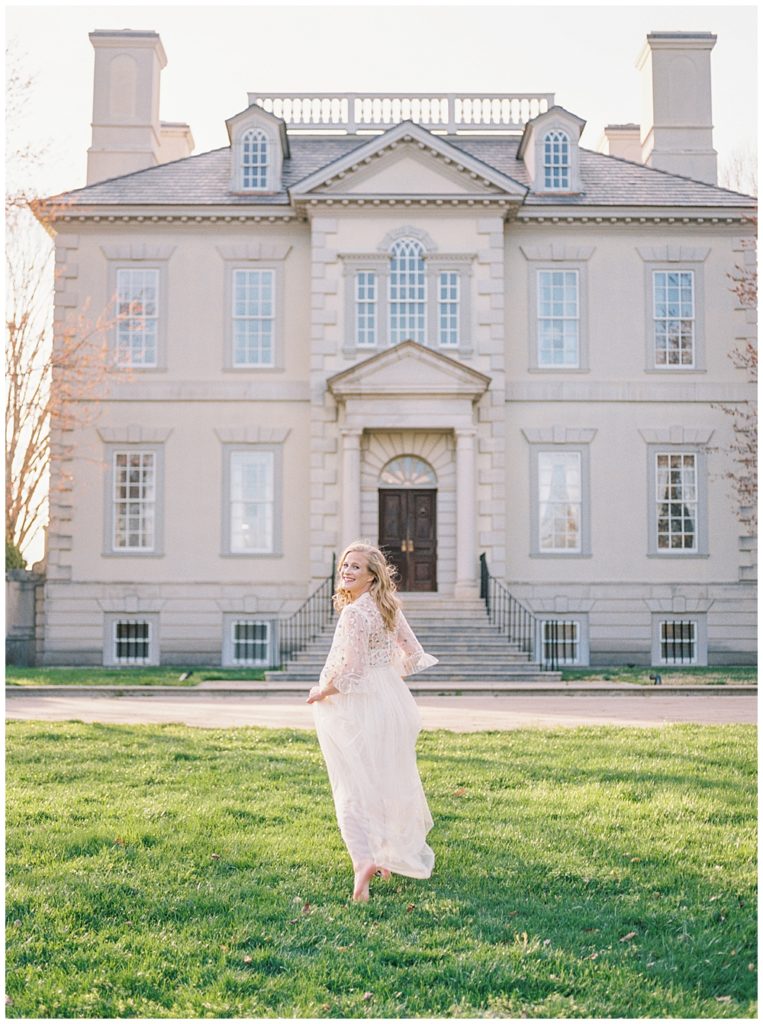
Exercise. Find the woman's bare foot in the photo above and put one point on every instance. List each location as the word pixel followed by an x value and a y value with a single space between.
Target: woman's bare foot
pixel 384 873
pixel 363 876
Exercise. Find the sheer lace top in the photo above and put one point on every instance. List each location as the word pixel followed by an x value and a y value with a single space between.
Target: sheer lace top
pixel 361 642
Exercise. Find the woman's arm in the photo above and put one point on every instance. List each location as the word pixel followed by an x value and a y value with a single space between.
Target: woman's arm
pixel 412 656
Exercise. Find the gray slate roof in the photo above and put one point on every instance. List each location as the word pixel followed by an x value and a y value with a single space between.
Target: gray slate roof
pixel 204 180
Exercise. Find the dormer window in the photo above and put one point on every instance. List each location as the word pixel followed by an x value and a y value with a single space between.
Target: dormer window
pixel 556 160
pixel 254 159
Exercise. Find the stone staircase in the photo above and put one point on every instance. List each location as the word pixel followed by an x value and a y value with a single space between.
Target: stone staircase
pixel 458 632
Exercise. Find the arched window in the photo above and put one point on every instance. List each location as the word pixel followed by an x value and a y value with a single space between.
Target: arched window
pixel 407 292
pixel 556 160
pixel 407 471
pixel 254 159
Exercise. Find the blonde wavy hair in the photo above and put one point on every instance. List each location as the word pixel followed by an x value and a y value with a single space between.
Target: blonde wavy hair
pixel 382 587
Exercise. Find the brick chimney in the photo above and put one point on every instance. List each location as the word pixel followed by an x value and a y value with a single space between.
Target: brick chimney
pixel 127 133
pixel 677 123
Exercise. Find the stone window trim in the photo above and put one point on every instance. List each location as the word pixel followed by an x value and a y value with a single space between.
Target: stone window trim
pixel 654 448
pixel 583 637
pixel 700 637
pixel 140 258
pixel 558 257
pixel 109 551
pixel 536 447
pixel 233 261
pixel 670 259
pixel 228 448
pixel 228 645
pixel 379 263
pixel 110 620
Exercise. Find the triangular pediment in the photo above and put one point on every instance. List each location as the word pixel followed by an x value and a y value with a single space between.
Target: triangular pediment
pixel 408 369
pixel 408 160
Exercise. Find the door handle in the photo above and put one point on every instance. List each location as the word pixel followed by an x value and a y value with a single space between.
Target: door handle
pixel 406 546
pixel 410 545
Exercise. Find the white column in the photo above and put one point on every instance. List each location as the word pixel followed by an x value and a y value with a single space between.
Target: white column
pixel 350 486
pixel 466 515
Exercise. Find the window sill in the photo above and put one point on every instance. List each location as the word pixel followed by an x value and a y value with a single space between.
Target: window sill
pixel 678 554
pixel 665 370
pixel 132 554
pixel 558 369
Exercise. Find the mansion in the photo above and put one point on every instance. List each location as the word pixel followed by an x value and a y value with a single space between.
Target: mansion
pixel 433 322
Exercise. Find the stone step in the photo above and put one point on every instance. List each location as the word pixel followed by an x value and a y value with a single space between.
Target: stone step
pixel 521 672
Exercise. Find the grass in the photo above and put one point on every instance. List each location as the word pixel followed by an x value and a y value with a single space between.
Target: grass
pixel 95 676
pixel 695 675
pixel 170 675
pixel 163 871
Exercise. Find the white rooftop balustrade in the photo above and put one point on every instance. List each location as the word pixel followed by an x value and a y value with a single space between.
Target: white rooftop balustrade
pixel 373 112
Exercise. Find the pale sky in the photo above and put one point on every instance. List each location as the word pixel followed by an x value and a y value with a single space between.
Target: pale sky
pixel 584 54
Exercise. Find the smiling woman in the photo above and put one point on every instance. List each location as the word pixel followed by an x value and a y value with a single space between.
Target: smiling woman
pixel 367 724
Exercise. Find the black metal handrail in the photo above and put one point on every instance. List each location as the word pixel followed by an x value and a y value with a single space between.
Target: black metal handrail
pixel 512 618
pixel 308 621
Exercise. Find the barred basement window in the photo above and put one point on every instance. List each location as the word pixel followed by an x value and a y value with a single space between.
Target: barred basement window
pixel 132 642
pixel 254 164
pixel 556 160
pixel 365 308
pixel 251 642
pixel 678 642
pixel 561 642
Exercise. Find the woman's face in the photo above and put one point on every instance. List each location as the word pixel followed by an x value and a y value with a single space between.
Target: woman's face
pixel 354 573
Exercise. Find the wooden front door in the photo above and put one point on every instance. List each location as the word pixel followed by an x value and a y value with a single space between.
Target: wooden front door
pixel 408 534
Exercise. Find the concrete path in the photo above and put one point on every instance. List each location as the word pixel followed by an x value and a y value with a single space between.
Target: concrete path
pixel 457 714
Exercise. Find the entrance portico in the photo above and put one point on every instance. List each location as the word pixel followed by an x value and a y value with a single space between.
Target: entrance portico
pixel 411 395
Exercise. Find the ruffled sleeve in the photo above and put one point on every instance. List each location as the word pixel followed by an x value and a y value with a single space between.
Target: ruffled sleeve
pixel 347 663
pixel 412 657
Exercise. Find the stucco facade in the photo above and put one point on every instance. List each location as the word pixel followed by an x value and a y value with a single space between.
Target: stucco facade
pixel 482 407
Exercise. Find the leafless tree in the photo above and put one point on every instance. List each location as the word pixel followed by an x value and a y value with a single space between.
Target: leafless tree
pixel 55 373
pixel 739 171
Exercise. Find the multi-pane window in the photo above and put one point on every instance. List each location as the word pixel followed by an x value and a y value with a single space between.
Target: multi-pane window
pixel 407 293
pixel 677 501
pixel 556 160
pixel 253 317
pixel 561 642
pixel 254 159
pixel 559 501
pixel 678 642
pixel 252 502
pixel 134 500
pixel 447 308
pixel 137 317
pixel 251 642
pixel 558 318
pixel 673 305
pixel 365 308
pixel 132 641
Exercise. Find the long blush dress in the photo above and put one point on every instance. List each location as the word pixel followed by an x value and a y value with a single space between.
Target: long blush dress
pixel 367 733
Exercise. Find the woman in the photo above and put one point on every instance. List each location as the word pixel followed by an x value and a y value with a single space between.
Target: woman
pixel 367 723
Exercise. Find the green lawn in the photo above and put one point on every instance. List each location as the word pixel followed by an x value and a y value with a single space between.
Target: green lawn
pixel 163 871
pixel 696 675
pixel 91 675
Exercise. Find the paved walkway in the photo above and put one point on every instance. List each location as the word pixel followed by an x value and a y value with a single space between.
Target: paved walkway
pixel 457 714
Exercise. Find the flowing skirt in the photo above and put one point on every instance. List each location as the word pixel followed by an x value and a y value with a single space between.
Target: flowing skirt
pixel 368 740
